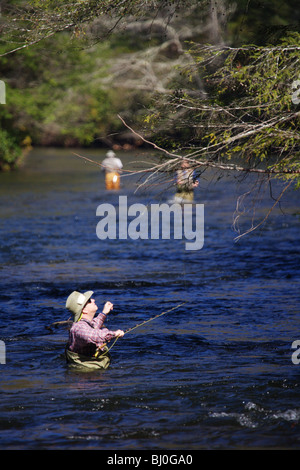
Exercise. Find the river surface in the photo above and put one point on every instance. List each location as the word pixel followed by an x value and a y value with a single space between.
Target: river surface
pixel 214 373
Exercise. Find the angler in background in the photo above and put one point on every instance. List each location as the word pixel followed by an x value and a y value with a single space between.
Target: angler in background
pixel 87 337
pixel 185 183
pixel 112 167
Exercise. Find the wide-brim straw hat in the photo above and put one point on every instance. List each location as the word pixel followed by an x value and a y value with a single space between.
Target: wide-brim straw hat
pixel 77 301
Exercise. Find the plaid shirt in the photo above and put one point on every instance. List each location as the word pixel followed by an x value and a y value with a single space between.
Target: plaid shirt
pixel 86 336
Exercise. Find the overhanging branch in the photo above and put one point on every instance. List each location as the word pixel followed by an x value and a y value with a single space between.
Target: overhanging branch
pixel 175 158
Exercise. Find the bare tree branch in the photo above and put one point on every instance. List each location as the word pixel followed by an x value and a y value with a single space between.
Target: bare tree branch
pixel 266 216
pixel 206 163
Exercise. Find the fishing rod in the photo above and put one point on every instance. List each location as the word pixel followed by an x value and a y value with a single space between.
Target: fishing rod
pixel 134 327
pixel 153 318
pixel 129 172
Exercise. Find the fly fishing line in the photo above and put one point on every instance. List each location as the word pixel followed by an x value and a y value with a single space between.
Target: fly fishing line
pixel 136 326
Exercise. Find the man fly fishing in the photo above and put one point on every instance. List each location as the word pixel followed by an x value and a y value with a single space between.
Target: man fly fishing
pixel 112 167
pixel 87 337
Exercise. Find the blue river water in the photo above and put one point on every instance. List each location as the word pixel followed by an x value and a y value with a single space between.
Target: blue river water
pixel 218 372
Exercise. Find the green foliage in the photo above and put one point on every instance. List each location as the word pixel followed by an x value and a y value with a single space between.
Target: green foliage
pixel 10 152
pixel 262 22
pixel 54 93
pixel 256 83
pixel 247 116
